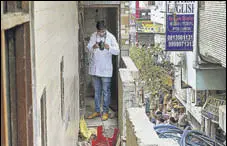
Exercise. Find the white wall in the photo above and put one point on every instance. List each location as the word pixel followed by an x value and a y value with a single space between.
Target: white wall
pixel 56 35
pixel 190 71
pixel 160 39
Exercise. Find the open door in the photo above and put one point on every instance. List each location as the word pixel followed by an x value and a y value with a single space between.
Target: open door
pixel 16 83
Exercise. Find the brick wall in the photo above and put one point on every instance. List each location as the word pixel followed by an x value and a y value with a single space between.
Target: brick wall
pixel 56 35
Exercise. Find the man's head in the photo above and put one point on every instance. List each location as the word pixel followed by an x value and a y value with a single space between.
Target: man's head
pixel 172 120
pixel 162 120
pixel 101 28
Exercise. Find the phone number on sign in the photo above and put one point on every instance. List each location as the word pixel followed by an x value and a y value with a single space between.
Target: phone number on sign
pixel 180 44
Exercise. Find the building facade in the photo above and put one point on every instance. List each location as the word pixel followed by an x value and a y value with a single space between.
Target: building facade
pixel 200 75
pixel 40 73
pixel 44 66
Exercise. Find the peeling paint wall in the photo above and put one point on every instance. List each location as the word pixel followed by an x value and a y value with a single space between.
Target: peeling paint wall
pixel 56 36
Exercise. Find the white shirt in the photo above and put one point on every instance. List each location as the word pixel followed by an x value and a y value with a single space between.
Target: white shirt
pixel 100 61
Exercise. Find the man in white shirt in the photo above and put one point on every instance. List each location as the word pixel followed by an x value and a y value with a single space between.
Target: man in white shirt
pixel 102 46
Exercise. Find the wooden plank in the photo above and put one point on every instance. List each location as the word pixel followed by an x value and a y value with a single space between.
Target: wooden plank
pixel 28 76
pixel 11 6
pixel 11 20
pixel 11 58
pixel 4 121
pixel 25 6
pixel 21 87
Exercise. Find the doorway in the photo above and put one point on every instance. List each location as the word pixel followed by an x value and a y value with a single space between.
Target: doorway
pixel 16 89
pixel 91 15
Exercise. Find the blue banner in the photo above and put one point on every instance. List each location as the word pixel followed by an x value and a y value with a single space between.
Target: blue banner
pixel 180 26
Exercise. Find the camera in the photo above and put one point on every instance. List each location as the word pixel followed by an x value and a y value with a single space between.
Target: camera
pixel 101 45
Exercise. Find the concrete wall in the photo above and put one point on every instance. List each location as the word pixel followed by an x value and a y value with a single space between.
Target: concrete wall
pixel 179 93
pixel 222 117
pixel 56 36
pixel 127 75
pixel 160 39
pixel 189 70
pixel 212 79
pixel 140 131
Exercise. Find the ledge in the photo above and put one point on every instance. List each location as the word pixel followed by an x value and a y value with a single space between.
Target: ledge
pixel 129 65
pixel 140 131
pixel 11 20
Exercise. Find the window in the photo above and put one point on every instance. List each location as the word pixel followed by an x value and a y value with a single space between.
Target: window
pixel 220 92
pixel 201 97
pixel 15 6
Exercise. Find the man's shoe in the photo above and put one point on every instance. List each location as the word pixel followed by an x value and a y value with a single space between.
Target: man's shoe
pixel 105 116
pixel 94 115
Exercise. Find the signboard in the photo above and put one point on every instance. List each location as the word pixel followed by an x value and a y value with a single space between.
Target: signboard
pixel 145 14
pixel 211 108
pixel 149 27
pixel 181 18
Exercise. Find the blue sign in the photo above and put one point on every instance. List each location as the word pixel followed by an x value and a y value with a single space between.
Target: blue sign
pixel 180 20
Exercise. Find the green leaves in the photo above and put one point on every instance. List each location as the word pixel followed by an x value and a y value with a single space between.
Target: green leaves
pixel 155 77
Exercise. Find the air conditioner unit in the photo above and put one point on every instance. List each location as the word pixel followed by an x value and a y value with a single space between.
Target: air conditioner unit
pixel 222 117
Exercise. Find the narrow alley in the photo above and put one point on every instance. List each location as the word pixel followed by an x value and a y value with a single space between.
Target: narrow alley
pixel 113 73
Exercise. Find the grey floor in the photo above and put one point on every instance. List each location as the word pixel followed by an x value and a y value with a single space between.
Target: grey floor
pixel 108 125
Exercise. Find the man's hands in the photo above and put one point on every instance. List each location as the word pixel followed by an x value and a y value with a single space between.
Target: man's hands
pixel 95 46
pixel 107 46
